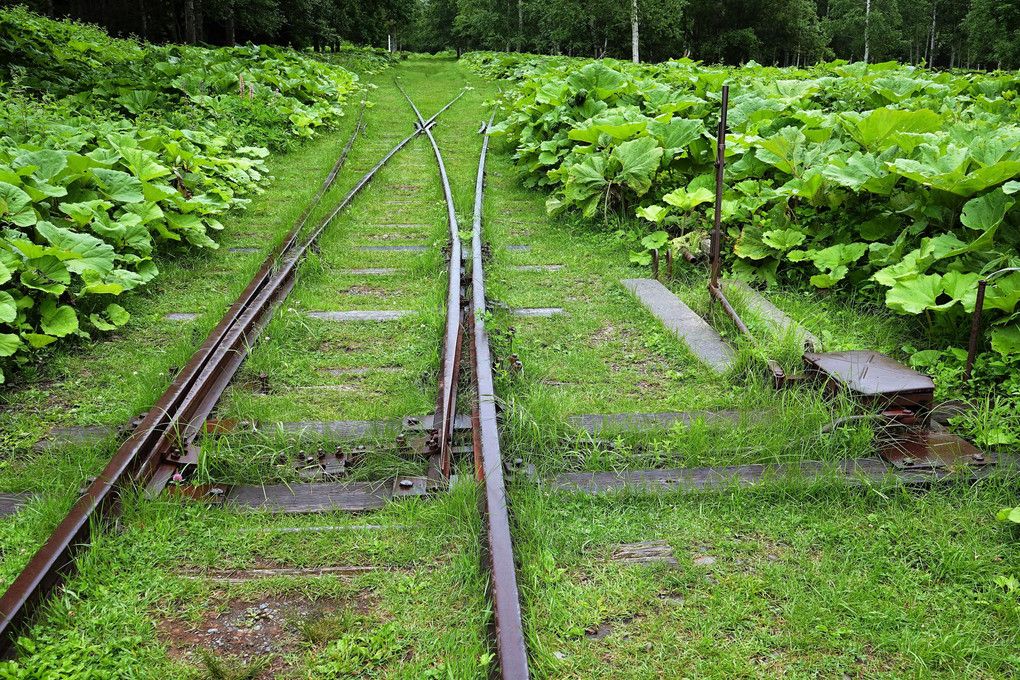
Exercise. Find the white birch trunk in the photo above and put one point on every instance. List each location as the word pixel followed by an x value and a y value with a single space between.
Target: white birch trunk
pixel 931 43
pixel 634 32
pixel 867 30
pixel 520 24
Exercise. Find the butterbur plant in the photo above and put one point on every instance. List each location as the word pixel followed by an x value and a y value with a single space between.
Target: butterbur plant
pixel 116 152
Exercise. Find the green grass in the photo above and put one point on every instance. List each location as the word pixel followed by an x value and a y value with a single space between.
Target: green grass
pixel 807 582
pixel 422 610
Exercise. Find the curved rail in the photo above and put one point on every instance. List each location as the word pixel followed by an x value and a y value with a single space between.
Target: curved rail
pixel 449 366
pixel 511 650
pixel 163 440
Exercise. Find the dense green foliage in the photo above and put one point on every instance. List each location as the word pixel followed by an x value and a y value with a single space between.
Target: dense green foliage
pixel 898 182
pixel 112 150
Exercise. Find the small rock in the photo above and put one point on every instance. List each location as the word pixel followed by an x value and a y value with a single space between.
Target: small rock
pixel 263 606
pixel 704 561
pixel 772 558
pixel 213 631
pixel 257 628
pixel 560 655
pixel 710 580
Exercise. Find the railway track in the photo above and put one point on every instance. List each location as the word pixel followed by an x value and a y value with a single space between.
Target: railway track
pixel 165 444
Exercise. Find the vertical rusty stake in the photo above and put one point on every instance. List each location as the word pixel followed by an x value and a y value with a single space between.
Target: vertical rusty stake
pixel 975 328
pixel 669 264
pixel 655 264
pixel 720 164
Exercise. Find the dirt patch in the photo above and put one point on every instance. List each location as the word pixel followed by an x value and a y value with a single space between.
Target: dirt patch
pixel 246 630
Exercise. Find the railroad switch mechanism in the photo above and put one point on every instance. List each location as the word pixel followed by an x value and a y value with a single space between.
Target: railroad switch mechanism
pixel 927 450
pixel 873 378
pixel 901 396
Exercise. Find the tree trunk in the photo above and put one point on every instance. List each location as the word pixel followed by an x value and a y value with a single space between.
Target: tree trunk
pixel 145 20
pixel 867 30
pixel 199 22
pixel 520 24
pixel 952 58
pixel 231 37
pixel 931 43
pixel 189 22
pixel 634 32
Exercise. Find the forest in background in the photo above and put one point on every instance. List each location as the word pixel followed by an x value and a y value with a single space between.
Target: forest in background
pixel 973 34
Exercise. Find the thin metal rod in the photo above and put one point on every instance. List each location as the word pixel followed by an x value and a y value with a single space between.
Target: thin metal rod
pixel 720 165
pixel 716 293
pixel 975 328
pixel 511 649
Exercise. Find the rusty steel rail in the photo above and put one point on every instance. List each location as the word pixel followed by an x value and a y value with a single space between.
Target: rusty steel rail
pixel 512 653
pixel 439 448
pixel 164 438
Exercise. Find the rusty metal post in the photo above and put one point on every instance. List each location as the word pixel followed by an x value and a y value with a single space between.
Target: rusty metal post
pixel 975 328
pixel 669 264
pixel 655 264
pixel 720 164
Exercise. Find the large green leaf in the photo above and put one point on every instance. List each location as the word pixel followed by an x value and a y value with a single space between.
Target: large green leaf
pixel 652 213
pixel 640 160
pixel 137 101
pixel 783 239
pixel 839 254
pixel 8 308
pixel 144 164
pixel 113 316
pixel 119 186
pixel 586 178
pixel 48 163
pixel 961 287
pixel 1003 294
pixel 38 340
pixel 913 296
pixel 16 205
pixel 783 150
pixel 880 128
pixel 688 200
pixel 57 320
pixel 1006 340
pixel 675 135
pixel 46 273
pixel 92 252
pixel 598 79
pixel 861 172
pixel 9 344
